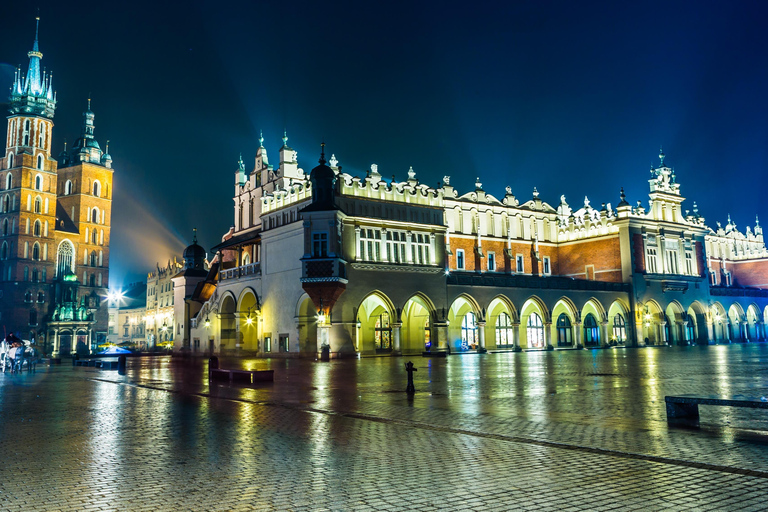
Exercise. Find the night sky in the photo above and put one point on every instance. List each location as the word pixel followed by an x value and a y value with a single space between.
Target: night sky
pixel 574 98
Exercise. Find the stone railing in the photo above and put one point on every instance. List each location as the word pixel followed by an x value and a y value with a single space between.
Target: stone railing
pixel 540 282
pixel 252 269
pixel 724 291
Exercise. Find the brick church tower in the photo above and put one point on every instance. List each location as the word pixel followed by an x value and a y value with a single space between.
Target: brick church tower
pixel 54 224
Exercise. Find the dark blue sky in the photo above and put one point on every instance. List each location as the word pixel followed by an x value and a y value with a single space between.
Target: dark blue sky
pixel 574 98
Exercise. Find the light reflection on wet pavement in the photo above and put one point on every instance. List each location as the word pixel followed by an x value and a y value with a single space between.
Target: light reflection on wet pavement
pixel 529 431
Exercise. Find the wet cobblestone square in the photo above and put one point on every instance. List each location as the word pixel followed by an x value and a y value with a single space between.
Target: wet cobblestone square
pixel 563 430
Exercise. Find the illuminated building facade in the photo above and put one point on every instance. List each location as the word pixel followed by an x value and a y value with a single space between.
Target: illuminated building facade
pixel 159 319
pixel 55 217
pixel 364 265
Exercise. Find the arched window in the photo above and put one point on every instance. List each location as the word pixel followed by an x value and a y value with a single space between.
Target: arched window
pixel 564 332
pixel 65 263
pixel 40 297
pixel 37 227
pixel 101 237
pixel 95 215
pixel 504 331
pixel 6 204
pixel 38 205
pixel 469 332
pixel 38 178
pixel 36 252
pixel 68 188
pixel 92 279
pixel 5 227
pixel 34 275
pixel 591 332
pixel 39 163
pixel 382 334
pixel 97 188
pixel 619 329
pixel 4 251
pixel 246 259
pixel 10 166
pixel 93 258
pixel 93 237
pixel 26 278
pixel 28 296
pixel 535 331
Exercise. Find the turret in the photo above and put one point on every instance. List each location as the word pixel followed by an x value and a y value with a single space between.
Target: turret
pixel 33 94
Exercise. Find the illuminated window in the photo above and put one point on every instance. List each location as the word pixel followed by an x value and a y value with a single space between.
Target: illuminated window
pixel 547 268
pixel 396 245
pixel 469 332
pixel 591 331
pixel 491 262
pixel 68 188
pixel 520 265
pixel 38 178
pixel 535 331
pixel 650 257
pixel 504 331
pixel 619 328
pixel 420 248
pixel 36 229
pixel 689 263
pixel 38 205
pixel 382 334
pixel 370 248
pixel 36 252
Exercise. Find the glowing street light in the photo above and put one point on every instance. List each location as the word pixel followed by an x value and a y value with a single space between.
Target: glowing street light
pixel 207 322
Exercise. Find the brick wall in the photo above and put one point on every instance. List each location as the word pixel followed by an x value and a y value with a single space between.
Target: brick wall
pixel 638 252
pixel 752 273
pixel 603 254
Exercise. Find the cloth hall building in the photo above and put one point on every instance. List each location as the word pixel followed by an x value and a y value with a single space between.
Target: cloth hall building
pixel 55 218
pixel 365 266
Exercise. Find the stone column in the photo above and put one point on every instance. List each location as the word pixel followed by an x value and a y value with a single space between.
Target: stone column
pixel 662 326
pixel 384 257
pixel 358 256
pixel 396 339
pixel 727 333
pixel 481 335
pixel 711 334
pixel 409 247
pixel 759 330
pixel 516 337
pixel 548 336
pixel 577 335
pixel 604 333
pixel 55 345
pixel 441 332
pixel 686 335
pixel 432 250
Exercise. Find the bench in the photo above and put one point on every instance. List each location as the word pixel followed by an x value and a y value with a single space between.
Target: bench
pixel 107 365
pixel 241 376
pixel 684 410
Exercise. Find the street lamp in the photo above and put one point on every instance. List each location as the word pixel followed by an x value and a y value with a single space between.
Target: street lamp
pixel 207 322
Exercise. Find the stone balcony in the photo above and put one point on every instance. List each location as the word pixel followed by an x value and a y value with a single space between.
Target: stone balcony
pixel 252 269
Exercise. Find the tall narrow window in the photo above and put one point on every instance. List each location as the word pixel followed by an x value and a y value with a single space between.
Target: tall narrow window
pixel 564 332
pixel 37 229
pixel 491 262
pixel 460 259
pixel 547 268
pixel 382 333
pixel 591 331
pixel 36 252
pixel 469 332
pixel 650 256
pixel 520 265
pixel 65 259
pixel 535 331
pixel 619 329
pixel 504 331
pixel 38 178
pixel 97 189
pixel 68 188
pixel 38 205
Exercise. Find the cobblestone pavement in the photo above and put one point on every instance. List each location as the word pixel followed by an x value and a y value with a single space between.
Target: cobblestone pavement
pixel 563 430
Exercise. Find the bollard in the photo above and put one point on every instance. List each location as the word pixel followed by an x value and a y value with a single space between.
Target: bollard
pixel 410 369
pixel 213 363
pixel 121 365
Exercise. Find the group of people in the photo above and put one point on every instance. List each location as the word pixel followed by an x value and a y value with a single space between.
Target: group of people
pixel 13 351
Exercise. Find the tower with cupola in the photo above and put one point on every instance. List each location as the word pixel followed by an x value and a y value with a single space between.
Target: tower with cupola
pixel 28 182
pixel 55 217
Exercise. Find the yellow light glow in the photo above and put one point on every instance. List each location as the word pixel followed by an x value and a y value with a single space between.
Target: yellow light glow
pixel 249 320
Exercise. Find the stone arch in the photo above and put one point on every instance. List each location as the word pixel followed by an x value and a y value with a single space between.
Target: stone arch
pixel 593 324
pixel 502 321
pixel 417 332
pixel 376 315
pixel 652 315
pixel 754 322
pixel 720 329
pixel 247 318
pixel 534 322
pixel 696 330
pixel 464 315
pixel 736 322
pixel 674 317
pixel 227 330
pixel 306 318
pixel 567 322
pixel 619 325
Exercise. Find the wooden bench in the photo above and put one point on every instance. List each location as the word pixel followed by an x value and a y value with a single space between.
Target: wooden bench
pixel 241 376
pixel 685 409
